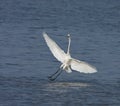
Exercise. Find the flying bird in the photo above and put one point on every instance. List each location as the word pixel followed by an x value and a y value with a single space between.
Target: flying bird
pixel 68 63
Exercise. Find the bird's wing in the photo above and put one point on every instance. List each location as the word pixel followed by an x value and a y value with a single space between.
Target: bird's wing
pixel 82 67
pixel 54 48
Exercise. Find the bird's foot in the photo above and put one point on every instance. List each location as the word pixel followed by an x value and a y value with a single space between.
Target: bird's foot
pixel 50 78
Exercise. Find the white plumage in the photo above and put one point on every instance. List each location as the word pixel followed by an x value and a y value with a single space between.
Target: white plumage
pixel 82 67
pixel 54 48
pixel 67 61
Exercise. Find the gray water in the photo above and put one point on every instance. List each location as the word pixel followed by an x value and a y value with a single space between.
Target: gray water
pixel 25 60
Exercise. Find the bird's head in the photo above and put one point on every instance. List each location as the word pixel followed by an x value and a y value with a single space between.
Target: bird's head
pixel 68 36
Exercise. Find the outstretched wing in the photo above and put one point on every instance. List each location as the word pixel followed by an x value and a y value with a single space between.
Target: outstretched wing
pixel 54 48
pixel 82 67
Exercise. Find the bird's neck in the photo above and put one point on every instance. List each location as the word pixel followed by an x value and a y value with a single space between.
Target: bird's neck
pixel 68 50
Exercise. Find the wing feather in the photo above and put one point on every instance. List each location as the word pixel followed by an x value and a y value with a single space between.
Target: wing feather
pixel 82 67
pixel 54 48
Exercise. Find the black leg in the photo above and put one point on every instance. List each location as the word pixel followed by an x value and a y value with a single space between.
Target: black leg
pixel 54 73
pixel 52 79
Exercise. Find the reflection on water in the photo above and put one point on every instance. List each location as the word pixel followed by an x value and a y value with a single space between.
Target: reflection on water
pixel 32 91
pixel 67 84
pixel 63 87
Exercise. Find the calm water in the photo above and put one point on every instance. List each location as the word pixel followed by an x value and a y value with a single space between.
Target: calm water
pixel 25 60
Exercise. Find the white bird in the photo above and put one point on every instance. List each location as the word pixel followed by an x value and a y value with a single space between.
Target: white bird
pixel 68 63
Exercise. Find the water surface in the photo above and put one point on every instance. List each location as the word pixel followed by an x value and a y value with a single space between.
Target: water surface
pixel 25 60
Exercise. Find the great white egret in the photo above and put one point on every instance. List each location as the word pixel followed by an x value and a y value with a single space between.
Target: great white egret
pixel 68 63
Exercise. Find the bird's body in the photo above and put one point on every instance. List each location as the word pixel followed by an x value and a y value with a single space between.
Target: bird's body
pixel 68 63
